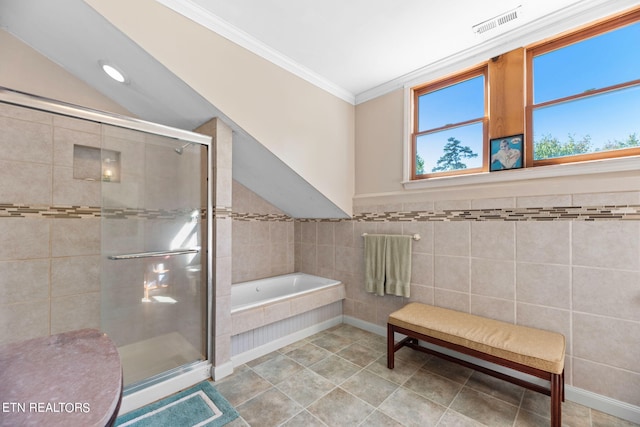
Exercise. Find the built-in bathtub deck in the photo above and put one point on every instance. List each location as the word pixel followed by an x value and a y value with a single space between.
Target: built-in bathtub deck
pixel 253 318
pixel 263 327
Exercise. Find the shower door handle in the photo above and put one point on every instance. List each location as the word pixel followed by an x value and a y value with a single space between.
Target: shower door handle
pixel 153 254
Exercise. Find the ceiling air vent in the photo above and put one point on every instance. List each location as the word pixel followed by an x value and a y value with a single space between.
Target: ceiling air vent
pixel 497 21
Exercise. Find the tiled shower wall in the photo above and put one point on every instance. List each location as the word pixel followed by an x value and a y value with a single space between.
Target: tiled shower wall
pixel 568 263
pixel 50 251
pixel 51 223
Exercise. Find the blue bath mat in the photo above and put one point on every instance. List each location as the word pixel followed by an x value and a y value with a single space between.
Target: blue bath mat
pixel 201 405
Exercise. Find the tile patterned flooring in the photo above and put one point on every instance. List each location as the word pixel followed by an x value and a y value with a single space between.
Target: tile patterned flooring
pixel 339 377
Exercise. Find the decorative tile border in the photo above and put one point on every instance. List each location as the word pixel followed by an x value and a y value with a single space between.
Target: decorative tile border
pixel 129 213
pixel 242 216
pixel 8 210
pixel 557 213
pixel 222 212
pixel 576 213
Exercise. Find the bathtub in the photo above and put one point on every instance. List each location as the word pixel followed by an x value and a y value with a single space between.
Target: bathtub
pixel 269 313
pixel 247 295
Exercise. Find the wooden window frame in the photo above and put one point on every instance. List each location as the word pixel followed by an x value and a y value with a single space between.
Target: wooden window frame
pixel 451 80
pixel 575 36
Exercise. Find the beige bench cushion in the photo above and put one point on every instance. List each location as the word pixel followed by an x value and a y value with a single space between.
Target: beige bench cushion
pixel 528 346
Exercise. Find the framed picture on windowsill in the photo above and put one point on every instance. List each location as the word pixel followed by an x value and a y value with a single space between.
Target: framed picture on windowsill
pixel 506 153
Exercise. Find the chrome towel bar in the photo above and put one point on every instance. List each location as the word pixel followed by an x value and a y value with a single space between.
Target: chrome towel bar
pixel 154 254
pixel 414 237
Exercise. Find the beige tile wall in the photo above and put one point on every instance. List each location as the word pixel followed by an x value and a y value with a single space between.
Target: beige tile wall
pixel 262 247
pixel 222 154
pixel 50 257
pixel 577 277
pixel 49 267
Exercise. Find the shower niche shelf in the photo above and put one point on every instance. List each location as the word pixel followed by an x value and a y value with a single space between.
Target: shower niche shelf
pixel 95 164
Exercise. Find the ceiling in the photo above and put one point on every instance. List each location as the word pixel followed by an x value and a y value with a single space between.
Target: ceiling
pixel 355 49
pixel 354 46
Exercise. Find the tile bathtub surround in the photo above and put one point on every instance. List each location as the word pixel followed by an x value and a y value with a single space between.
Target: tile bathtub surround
pixel 574 269
pixel 262 239
pixel 339 377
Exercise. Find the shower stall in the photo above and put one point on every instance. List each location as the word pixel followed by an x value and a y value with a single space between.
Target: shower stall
pixel 146 189
pixel 154 241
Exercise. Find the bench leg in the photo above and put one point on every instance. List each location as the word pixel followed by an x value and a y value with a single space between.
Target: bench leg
pixel 391 348
pixel 557 396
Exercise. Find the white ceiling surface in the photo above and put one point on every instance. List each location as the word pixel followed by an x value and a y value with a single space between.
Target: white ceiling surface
pixel 356 45
pixel 355 49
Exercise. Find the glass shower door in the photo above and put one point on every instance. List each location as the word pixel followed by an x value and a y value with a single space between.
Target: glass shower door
pixel 154 288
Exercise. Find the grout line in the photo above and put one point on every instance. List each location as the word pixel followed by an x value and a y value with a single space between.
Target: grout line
pixel 515 421
pixel 571 311
pixel 464 384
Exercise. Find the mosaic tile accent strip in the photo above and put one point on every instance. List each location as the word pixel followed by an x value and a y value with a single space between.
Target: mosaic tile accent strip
pixel 221 212
pixel 8 210
pixel 132 213
pixel 242 216
pixel 557 213
pixel 577 213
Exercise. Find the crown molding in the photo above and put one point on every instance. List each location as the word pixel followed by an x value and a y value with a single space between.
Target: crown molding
pixel 572 16
pixel 201 16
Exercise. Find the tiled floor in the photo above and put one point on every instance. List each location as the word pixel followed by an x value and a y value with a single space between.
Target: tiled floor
pixel 339 378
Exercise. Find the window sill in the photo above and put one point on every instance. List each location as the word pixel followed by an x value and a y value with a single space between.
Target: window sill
pixel 622 164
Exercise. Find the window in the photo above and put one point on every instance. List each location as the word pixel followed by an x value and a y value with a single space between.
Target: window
pixel 584 94
pixel 449 126
pixel 575 98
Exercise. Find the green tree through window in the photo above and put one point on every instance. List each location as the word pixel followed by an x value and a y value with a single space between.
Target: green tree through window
pixel 449 127
pixel 419 164
pixel 632 141
pixel 595 102
pixel 453 155
pixel 549 147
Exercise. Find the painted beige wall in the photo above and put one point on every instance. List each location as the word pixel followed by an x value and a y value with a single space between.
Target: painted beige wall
pixel 26 70
pixel 379 128
pixel 306 127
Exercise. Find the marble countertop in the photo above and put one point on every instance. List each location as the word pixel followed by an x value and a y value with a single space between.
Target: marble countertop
pixel 69 379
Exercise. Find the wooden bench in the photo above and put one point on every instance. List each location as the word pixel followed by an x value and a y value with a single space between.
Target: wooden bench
pixel 528 350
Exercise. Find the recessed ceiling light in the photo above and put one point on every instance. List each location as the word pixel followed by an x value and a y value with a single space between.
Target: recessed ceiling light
pixel 113 72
